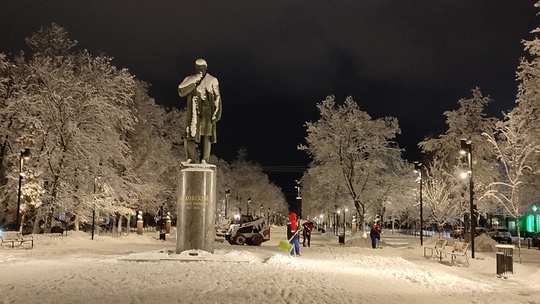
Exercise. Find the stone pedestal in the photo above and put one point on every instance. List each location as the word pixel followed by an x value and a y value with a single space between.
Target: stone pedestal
pixel 168 226
pixel 139 227
pixel 195 227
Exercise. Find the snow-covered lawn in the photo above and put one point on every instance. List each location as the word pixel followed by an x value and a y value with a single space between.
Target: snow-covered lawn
pixel 139 269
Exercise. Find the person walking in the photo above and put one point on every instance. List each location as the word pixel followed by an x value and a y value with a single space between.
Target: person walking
pixel 307 229
pixel 292 225
pixel 375 234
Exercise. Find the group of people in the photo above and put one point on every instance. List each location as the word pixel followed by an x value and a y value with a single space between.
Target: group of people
pixel 293 233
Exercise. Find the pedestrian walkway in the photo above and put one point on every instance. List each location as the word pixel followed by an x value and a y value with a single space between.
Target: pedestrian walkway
pixel 529 257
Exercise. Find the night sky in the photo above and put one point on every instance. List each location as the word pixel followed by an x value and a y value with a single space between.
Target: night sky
pixel 411 59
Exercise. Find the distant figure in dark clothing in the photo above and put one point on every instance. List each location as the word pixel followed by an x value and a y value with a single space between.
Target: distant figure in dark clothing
pixel 308 228
pixel 375 234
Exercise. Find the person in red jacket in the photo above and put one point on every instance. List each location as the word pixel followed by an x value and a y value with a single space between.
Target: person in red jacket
pixel 307 229
pixel 292 225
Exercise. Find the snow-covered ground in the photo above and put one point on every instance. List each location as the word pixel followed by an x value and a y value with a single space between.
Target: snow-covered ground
pixel 140 269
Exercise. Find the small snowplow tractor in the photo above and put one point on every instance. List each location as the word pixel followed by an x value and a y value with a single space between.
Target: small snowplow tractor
pixel 244 229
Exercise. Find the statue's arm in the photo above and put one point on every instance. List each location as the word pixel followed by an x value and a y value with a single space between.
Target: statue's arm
pixel 189 84
pixel 216 116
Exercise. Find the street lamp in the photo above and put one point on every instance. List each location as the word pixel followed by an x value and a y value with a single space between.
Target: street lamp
pixel 299 197
pixel 227 194
pixel 466 150
pixel 247 205
pixel 25 155
pixel 94 210
pixel 418 169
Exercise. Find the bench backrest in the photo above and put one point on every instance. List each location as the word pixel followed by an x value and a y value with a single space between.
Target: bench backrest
pixel 440 243
pixel 460 247
pixel 11 235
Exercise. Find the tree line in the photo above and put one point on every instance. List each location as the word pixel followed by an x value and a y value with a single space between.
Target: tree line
pixel 357 164
pixel 98 142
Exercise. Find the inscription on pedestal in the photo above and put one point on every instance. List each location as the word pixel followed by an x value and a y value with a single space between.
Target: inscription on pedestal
pixel 196 208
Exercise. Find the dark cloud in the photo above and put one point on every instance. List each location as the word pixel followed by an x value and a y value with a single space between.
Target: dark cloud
pixel 275 59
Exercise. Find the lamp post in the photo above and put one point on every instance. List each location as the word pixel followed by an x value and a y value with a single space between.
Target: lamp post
pixel 247 205
pixel 162 223
pixel 418 169
pixel 466 149
pixel 227 194
pixel 94 209
pixel 299 197
pixel 25 155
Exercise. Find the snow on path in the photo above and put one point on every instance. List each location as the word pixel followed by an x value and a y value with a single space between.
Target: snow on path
pixel 134 269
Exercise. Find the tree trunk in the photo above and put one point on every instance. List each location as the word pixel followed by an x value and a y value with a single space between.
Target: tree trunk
pixel 48 222
pixel 23 218
pixel 519 239
pixel 119 228
pixel 36 229
pixel 360 209
pixel 76 223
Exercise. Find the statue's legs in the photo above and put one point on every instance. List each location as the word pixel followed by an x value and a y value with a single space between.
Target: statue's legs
pixel 207 145
pixel 189 149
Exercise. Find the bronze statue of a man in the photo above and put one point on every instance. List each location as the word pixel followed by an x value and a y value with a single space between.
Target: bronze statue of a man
pixel 203 110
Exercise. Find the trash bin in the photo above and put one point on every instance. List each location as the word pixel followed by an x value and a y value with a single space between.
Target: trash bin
pixel 505 259
pixel 342 238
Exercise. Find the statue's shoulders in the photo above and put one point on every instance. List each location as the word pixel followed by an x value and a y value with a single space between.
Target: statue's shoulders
pixel 211 78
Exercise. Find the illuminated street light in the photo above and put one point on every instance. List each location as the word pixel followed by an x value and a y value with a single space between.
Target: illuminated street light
pixel 25 155
pixel 466 150
pixel 247 205
pixel 418 169
pixel 299 197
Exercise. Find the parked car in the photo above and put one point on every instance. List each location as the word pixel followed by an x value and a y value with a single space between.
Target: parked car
pixel 500 234
pixel 536 240
pixel 481 230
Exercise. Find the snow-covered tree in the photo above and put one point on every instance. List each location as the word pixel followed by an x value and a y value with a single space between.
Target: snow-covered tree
pixel 516 141
pixel 347 140
pixel 246 180
pixel 155 150
pixel 528 101
pixel 323 194
pixel 514 149
pixel 73 110
pixel 439 202
pixel 468 121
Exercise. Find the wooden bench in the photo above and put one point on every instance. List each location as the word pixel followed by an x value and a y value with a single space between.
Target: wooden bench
pixel 437 248
pixel 459 249
pixel 16 238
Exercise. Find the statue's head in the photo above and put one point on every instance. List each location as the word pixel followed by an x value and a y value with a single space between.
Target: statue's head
pixel 201 66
